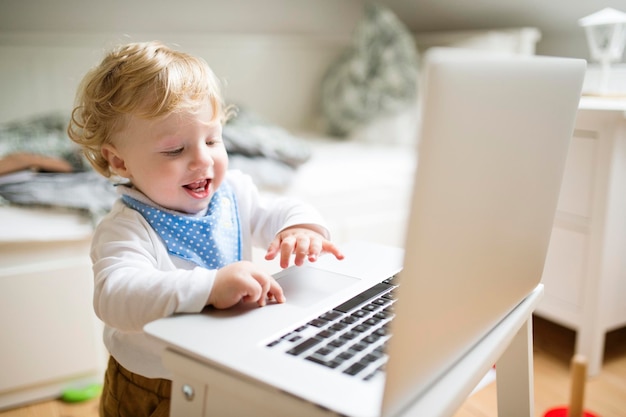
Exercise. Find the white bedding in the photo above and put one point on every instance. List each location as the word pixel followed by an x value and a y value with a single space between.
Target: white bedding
pixel 362 189
pixel 29 224
pixel 351 183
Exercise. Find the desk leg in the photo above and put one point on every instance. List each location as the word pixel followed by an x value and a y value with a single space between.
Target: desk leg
pixel 514 376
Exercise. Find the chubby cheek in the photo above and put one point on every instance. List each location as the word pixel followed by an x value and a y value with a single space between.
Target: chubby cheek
pixel 160 180
pixel 220 159
pixel 220 166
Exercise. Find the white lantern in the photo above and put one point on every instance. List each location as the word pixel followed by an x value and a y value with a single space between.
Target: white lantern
pixel 606 36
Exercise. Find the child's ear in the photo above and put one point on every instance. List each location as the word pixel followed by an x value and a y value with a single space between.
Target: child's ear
pixel 115 160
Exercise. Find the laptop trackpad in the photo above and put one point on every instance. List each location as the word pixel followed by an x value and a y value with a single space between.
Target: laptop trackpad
pixel 305 286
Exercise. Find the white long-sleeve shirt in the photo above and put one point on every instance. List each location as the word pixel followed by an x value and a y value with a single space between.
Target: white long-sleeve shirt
pixel 137 281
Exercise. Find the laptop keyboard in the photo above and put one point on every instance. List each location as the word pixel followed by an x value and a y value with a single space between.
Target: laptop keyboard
pixel 351 338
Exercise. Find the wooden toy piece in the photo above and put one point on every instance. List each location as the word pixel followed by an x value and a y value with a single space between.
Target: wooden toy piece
pixel 577 392
pixel 578 372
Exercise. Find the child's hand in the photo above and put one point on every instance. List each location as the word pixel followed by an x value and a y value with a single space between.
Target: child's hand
pixel 303 242
pixel 243 281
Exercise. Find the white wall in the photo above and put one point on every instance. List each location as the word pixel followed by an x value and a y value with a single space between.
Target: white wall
pixel 557 19
pixel 271 54
pixel 282 47
pixel 276 76
pixel 180 16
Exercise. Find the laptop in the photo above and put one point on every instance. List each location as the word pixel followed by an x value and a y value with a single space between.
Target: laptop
pixel 366 335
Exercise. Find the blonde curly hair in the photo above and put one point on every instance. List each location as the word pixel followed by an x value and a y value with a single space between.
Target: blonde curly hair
pixel 147 80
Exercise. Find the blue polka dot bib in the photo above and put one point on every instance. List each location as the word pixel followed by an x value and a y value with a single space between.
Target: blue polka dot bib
pixel 211 241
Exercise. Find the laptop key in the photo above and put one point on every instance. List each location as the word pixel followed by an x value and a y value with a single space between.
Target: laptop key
pixel 361 328
pixel 355 368
pixel 338 342
pixel 349 335
pixel 330 364
pixel 338 326
pixel 325 334
pixel 324 351
pixel 371 338
pixel 381 331
pixel 359 314
pixel 318 322
pixel 358 347
pixel 304 346
pixel 330 315
pixel 362 297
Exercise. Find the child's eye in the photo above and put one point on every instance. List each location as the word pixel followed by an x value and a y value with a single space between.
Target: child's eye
pixel 173 152
pixel 212 141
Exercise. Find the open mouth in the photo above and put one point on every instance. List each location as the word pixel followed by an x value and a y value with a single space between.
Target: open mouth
pixel 198 186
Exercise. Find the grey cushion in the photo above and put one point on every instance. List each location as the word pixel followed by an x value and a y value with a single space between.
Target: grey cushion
pixel 377 75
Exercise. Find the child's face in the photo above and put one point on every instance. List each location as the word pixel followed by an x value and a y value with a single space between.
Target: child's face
pixel 177 161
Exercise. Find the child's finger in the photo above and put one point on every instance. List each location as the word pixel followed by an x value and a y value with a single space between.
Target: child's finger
pixel 315 249
pixel 276 291
pixel 286 249
pixel 302 249
pixel 272 249
pixel 330 247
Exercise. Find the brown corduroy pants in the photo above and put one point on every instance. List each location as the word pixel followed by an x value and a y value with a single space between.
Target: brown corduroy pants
pixel 126 394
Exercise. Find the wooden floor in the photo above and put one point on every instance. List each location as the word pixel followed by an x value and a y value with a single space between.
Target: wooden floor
pixel 605 394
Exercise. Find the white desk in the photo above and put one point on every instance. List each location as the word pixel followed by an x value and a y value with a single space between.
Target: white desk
pixel 585 272
pixel 200 389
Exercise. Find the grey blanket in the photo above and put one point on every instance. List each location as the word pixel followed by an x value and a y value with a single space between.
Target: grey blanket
pixel 267 152
pixel 85 191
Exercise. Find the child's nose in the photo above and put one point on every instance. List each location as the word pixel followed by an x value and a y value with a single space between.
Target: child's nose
pixel 201 158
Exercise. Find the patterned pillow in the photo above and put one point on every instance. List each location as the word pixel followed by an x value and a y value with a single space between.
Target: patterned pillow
pixel 376 76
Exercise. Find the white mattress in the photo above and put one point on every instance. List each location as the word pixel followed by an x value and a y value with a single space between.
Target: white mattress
pixel 24 224
pixel 341 178
pixel 339 168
